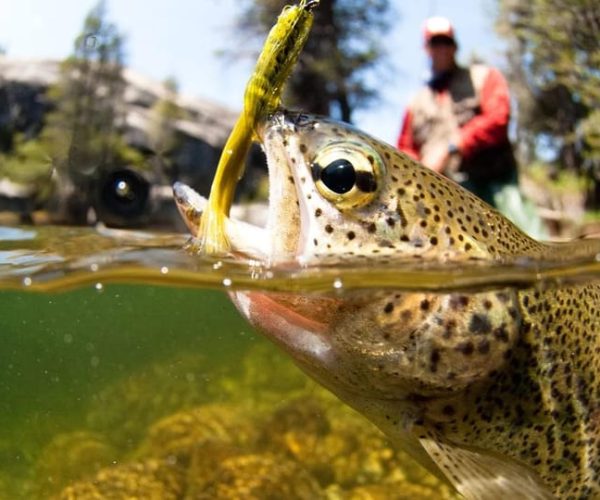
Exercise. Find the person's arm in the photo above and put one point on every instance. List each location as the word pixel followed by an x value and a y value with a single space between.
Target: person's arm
pixel 490 127
pixel 406 141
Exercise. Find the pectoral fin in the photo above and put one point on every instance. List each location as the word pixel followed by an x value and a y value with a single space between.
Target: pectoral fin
pixel 481 476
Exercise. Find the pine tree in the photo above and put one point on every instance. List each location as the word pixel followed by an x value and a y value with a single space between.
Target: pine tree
pixel 331 77
pixel 83 134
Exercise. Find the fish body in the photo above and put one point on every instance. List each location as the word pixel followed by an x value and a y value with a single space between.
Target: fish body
pixel 494 391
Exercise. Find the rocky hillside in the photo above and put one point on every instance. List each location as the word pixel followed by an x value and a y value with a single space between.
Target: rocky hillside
pixel 200 135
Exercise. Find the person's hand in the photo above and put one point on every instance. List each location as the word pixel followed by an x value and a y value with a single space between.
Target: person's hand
pixel 437 159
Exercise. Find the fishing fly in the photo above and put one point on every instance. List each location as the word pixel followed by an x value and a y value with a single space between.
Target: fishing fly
pixel 261 98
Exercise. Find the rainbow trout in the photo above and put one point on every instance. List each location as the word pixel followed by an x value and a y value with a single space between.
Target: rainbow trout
pixel 494 391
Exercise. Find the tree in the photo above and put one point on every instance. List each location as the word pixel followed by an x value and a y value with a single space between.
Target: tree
pixel 83 134
pixel 554 56
pixel 331 77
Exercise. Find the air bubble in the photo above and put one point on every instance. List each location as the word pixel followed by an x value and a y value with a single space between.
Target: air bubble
pixel 337 283
pixel 94 267
pixel 27 281
pixel 164 270
pixel 99 287
pixel 227 281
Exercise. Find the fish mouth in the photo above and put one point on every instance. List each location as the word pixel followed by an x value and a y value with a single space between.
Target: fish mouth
pixel 288 212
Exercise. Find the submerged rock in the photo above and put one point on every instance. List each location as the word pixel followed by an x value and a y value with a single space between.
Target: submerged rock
pixel 150 480
pixel 259 432
pixel 69 457
pixel 185 432
pixel 259 477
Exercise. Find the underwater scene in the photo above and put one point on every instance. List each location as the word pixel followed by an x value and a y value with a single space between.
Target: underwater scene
pixel 164 392
pixel 127 373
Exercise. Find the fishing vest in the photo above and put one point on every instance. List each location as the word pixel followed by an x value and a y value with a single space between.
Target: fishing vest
pixel 437 122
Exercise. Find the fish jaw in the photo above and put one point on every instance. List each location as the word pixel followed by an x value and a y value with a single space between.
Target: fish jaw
pixel 290 321
pixel 249 240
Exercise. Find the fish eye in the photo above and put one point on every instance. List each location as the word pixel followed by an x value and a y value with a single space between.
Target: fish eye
pixel 348 174
pixel 339 176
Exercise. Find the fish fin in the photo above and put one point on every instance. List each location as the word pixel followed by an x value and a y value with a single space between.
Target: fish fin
pixel 477 475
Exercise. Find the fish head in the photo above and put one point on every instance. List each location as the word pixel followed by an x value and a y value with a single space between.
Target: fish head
pixel 337 193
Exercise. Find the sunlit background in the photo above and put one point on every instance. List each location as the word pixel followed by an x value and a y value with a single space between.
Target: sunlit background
pixel 205 52
pixel 185 40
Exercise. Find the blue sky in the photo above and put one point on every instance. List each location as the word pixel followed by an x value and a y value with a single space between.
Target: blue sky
pixel 182 38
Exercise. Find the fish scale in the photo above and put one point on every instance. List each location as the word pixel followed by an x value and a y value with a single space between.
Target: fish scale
pixel 494 391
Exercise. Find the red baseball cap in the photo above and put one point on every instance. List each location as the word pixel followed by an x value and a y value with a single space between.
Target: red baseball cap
pixel 437 26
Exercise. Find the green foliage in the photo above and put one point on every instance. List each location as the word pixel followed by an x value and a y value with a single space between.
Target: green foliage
pixel 343 48
pixel 82 136
pixel 555 180
pixel 554 56
pixel 28 164
pixel 89 100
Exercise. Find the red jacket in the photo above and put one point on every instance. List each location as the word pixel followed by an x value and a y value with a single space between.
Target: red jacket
pixel 489 128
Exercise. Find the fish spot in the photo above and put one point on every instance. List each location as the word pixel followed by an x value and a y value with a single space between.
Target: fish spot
pixel 329 228
pixel 466 348
pixel 406 315
pixel 459 301
pixel 351 235
pixel 448 410
pixel 480 324
pixel 318 212
pixel 389 307
pixel 424 305
pixel 303 148
pixel 484 346
pixel 450 327
pixel 372 228
pixel 501 334
pixel 434 359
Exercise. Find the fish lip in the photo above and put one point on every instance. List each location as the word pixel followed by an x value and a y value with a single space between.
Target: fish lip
pixel 276 133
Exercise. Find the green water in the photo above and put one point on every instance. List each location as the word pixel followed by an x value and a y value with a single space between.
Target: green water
pixel 125 372
pixel 60 351
pixel 112 386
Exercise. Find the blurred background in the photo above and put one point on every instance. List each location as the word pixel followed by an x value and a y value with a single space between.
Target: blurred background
pixel 103 105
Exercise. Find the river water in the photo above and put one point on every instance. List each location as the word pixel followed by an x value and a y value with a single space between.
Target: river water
pixel 126 372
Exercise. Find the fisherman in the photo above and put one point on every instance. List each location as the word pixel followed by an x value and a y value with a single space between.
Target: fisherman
pixel 457 124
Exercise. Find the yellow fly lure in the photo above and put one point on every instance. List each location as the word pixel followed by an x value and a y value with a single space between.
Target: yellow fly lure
pixel 262 97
